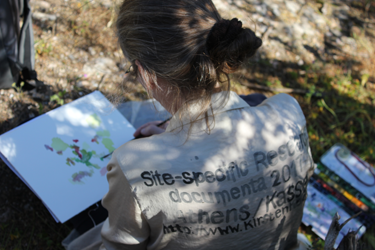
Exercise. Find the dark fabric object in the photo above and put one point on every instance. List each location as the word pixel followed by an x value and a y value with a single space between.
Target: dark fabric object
pixel 26 54
pixel 16 46
pixel 84 221
pixel 8 42
pixel 254 99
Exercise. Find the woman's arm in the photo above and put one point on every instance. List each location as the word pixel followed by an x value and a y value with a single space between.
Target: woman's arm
pixel 151 128
pixel 125 227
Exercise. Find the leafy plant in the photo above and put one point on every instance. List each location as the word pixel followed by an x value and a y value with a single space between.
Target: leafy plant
pixel 58 98
pixel 18 89
pixel 42 48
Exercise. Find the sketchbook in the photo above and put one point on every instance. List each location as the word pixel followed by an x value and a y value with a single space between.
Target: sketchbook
pixel 60 155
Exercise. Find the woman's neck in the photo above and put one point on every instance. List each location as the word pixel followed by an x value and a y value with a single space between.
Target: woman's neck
pixel 165 95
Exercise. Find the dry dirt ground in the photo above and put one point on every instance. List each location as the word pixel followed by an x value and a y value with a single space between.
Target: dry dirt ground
pixel 321 52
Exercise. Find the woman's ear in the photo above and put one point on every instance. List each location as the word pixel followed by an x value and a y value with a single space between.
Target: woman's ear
pixel 145 79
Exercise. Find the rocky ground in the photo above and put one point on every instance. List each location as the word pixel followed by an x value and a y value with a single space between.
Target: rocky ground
pixel 322 52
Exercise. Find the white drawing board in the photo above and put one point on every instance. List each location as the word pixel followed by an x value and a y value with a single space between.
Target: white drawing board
pixel 59 155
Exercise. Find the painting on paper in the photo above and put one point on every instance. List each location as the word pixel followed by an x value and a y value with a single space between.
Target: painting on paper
pixel 90 153
pixel 61 155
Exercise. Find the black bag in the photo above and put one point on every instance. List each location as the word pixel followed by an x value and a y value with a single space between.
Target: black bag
pixel 17 55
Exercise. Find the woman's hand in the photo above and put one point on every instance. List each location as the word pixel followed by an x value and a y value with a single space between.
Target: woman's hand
pixel 150 128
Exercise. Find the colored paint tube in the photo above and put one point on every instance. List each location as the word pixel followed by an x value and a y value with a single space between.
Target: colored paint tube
pixel 345 188
pixel 343 203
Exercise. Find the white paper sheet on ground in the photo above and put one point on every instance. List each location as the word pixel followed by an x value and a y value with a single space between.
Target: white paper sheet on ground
pixel 59 154
pixel 361 169
pixel 319 211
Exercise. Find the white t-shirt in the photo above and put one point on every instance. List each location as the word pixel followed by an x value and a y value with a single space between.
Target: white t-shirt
pixel 241 186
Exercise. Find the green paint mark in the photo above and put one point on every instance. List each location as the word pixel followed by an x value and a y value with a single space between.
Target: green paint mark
pixel 103 133
pixel 69 161
pixel 93 121
pixel 96 166
pixel 58 144
pixel 86 146
pixel 108 143
pixel 86 156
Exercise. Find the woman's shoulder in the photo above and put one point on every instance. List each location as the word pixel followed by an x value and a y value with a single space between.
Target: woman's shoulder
pixel 139 152
pixel 286 105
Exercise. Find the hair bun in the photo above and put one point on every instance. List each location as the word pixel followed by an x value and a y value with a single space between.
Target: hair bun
pixel 223 33
pixel 258 42
pixel 228 44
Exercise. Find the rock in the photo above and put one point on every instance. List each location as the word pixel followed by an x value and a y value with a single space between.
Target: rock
pixel 349 41
pixel 316 18
pixel 357 31
pixel 261 9
pixel 327 9
pixel 342 12
pixel 87 84
pixel 308 29
pixel 297 30
pixel 275 9
pixel 79 84
pixel 41 4
pixel 292 6
pixel 37 96
pixel 349 45
pixel 336 33
pixel 105 3
pixel 304 55
pixel 274 49
pixel 262 28
pixel 339 42
pixel 92 51
pixel 100 66
pixel 43 17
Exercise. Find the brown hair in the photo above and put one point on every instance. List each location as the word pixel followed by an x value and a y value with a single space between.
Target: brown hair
pixel 187 43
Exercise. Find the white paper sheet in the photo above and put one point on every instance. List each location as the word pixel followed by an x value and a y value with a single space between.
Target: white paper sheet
pixel 319 211
pixel 58 154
